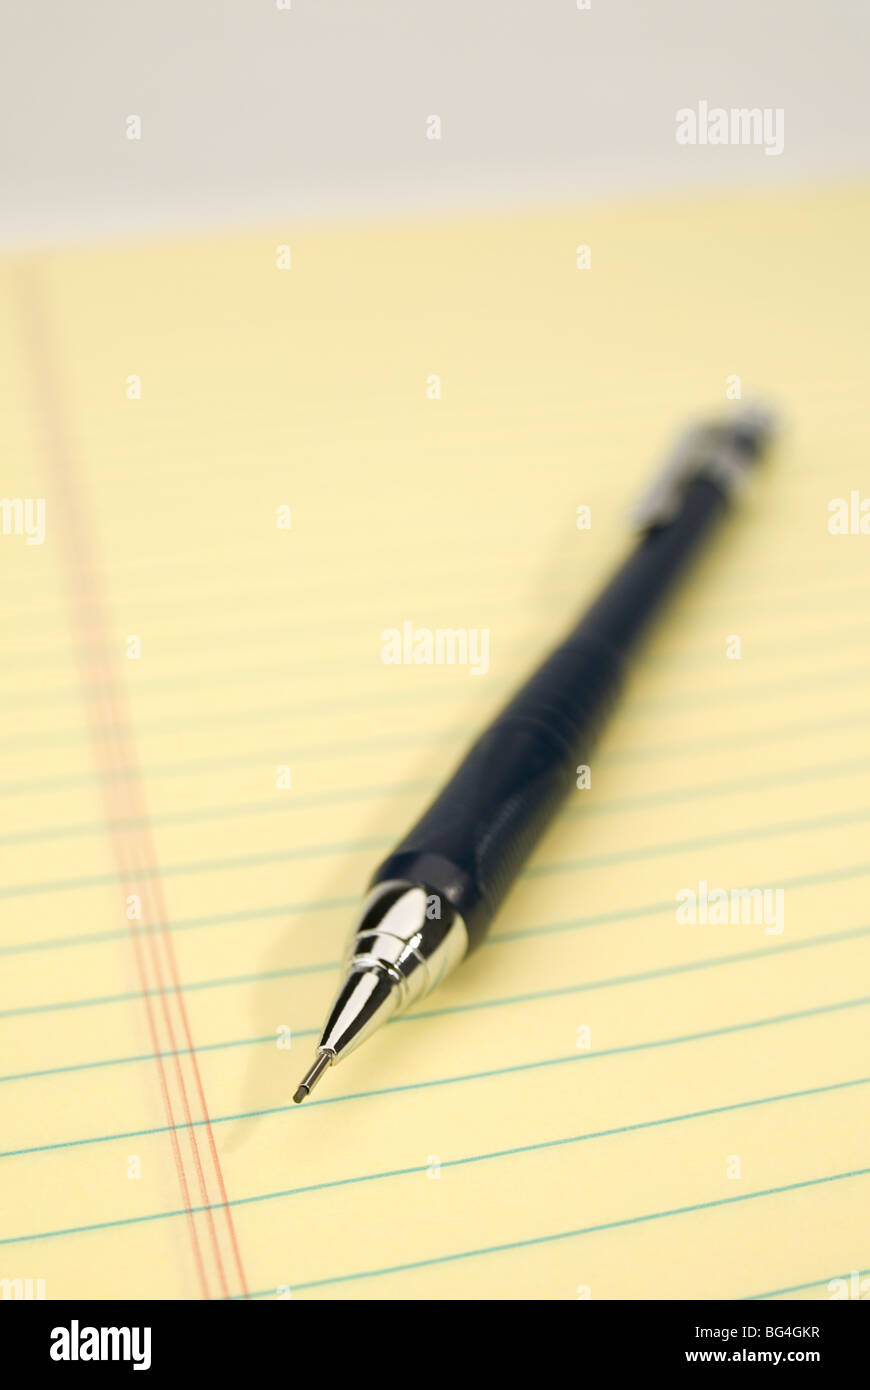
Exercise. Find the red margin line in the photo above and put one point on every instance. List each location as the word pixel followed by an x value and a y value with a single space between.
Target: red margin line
pixel 111 726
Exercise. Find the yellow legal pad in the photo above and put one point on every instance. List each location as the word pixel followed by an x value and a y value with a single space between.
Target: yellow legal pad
pixel 604 1101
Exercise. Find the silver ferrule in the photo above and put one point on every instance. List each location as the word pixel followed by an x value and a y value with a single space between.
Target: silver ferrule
pixel 413 936
pixel 723 451
pixel 404 944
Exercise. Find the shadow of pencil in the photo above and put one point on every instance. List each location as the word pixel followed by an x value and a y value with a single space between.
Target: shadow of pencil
pixel 294 982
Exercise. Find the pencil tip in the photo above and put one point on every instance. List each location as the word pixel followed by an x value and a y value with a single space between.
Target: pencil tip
pixel 313 1075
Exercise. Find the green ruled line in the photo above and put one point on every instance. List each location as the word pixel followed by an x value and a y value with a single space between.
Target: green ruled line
pixel 315 1102
pixel 418 1015
pixel 495 1154
pixel 377 842
pixel 508 1246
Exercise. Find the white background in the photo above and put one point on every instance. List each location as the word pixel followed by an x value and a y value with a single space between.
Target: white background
pixel 250 112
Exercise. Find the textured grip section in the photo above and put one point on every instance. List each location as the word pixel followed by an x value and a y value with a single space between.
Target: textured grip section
pixel 472 841
pixel 470 844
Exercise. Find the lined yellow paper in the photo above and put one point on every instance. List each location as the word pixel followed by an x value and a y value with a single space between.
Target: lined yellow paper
pixel 604 1101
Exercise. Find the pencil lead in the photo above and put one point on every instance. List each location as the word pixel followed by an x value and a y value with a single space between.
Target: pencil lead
pixel 312 1076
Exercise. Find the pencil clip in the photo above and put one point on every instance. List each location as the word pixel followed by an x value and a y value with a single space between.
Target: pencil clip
pixel 722 451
